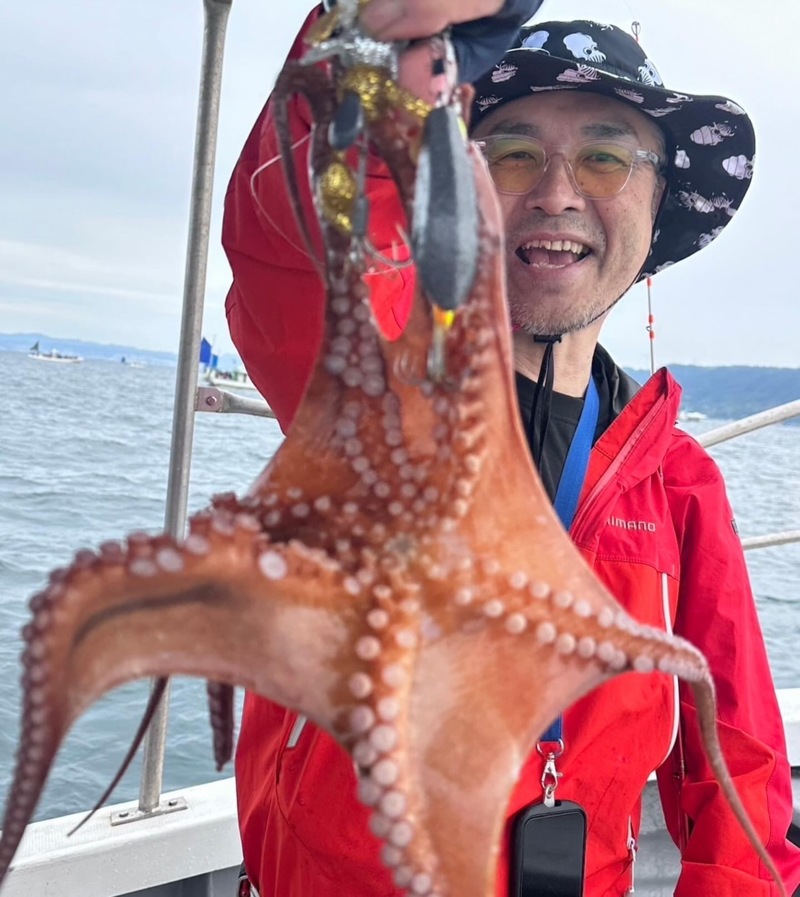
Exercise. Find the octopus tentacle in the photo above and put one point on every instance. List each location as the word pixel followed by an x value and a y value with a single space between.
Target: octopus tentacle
pixel 318 91
pixel 220 703
pixel 156 694
pixel 156 607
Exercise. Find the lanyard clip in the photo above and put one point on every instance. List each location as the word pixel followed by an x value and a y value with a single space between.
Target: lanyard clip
pixel 550 774
pixel 549 780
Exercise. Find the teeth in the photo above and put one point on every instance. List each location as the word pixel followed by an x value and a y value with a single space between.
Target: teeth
pixel 557 245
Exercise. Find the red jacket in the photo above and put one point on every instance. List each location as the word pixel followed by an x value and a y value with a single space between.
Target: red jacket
pixel 655 524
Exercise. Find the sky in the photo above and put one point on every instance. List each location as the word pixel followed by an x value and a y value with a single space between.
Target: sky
pixel 97 117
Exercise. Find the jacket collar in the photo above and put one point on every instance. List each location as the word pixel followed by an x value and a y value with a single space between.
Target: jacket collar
pixel 634 445
pixel 621 385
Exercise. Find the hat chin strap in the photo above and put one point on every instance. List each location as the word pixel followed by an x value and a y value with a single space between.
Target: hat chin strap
pixel 543 397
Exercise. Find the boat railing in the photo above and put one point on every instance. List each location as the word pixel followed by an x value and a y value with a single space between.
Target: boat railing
pixel 771 540
pixel 210 398
pixel 190 399
pixel 778 414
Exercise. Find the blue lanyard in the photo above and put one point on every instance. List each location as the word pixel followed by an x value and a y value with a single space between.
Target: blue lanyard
pixel 577 462
pixel 569 489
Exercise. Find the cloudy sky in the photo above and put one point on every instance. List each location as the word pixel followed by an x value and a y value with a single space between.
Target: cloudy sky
pixel 97 99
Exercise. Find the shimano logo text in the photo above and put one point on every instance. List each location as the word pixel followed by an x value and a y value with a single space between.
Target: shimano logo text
pixel 645 525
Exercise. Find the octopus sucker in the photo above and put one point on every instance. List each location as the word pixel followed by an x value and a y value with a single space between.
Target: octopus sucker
pixel 367 580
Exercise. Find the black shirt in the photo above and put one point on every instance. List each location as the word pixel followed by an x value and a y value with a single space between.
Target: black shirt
pixel 615 389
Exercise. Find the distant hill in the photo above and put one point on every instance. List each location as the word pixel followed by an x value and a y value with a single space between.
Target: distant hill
pixel 21 342
pixel 732 392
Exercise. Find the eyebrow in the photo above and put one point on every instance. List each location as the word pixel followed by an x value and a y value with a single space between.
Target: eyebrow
pixel 600 130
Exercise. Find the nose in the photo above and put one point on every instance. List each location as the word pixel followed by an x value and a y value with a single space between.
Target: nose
pixel 556 191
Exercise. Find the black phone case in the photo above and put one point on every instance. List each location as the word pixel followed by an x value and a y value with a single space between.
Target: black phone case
pixel 548 851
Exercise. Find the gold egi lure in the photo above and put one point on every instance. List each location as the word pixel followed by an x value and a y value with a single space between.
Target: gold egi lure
pixel 444 238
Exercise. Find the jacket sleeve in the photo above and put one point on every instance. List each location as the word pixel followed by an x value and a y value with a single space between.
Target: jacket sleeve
pixel 479 44
pixel 275 305
pixel 717 613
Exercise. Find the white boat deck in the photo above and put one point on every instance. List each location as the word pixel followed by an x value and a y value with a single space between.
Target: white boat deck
pixel 196 851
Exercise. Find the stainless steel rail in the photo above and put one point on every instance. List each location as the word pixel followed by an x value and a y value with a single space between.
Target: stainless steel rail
pixel 216 20
pixel 784 538
pixel 209 398
pixel 775 415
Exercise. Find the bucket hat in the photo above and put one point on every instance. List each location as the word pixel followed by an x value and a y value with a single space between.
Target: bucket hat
pixel 710 140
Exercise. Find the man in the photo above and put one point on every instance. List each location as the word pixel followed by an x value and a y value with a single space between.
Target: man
pixel 603 176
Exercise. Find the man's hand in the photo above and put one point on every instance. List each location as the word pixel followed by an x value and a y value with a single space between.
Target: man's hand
pixel 416 71
pixel 481 30
pixel 391 20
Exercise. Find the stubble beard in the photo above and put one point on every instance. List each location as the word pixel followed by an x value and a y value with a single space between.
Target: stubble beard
pixel 537 321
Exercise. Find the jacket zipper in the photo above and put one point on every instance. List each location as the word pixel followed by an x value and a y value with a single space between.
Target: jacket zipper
pixel 297 731
pixel 632 848
pixel 583 512
pixel 679 775
pixel 676 711
pixel 613 469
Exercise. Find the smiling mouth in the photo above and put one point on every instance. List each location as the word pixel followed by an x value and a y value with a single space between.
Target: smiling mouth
pixel 552 253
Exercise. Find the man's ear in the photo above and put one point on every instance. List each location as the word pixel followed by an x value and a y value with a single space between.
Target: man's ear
pixel 659 197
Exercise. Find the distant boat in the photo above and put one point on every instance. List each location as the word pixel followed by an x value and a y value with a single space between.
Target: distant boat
pixel 236 379
pixel 207 357
pixel 692 415
pixel 229 379
pixel 132 364
pixel 60 357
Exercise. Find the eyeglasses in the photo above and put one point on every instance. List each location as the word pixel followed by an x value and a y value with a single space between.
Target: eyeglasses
pixel 597 170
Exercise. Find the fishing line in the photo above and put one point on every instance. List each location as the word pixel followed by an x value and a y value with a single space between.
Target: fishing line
pixel 634 17
pixel 391 264
pixel 302 250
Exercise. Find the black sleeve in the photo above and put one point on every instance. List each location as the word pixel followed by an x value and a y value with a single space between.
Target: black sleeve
pixel 481 43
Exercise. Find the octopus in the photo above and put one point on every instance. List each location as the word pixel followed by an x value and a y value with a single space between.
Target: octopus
pixel 396 574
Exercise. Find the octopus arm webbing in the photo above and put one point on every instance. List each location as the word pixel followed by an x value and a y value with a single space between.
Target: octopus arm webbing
pixel 151 608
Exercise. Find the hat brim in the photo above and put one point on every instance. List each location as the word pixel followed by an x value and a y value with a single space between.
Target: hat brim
pixel 710 142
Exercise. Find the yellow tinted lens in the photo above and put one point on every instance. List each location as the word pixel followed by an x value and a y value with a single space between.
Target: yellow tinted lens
pixel 516 163
pixel 602 169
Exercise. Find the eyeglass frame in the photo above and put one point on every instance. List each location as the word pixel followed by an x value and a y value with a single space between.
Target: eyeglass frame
pixel 640 155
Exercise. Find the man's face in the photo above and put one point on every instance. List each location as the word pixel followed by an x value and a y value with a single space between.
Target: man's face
pixel 552 291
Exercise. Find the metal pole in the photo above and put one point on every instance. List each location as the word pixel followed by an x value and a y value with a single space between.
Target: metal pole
pixel 785 538
pixel 216 20
pixel 747 424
